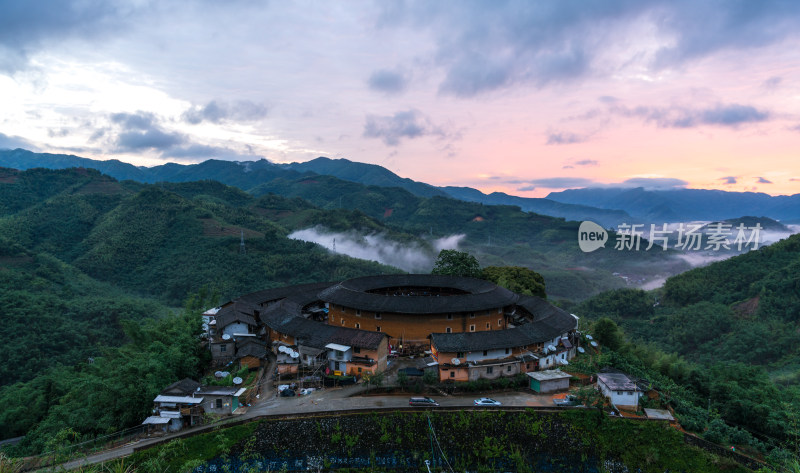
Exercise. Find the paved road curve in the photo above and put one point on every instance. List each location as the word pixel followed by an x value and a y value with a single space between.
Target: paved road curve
pixel 328 400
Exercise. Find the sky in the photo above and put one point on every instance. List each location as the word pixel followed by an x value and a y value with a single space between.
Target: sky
pixel 524 97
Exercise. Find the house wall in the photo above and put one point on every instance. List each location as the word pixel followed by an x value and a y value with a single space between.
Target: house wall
pixel 287 368
pixel 550 360
pixel 453 373
pixel 413 329
pixel 228 404
pixel 552 385
pixel 620 398
pixel 274 335
pixel 250 362
pixel 380 355
pixel 489 354
pixel 493 371
pixel 222 352
pixel 236 327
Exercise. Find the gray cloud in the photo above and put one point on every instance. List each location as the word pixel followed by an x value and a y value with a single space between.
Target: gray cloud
pixel 526 188
pixel 58 132
pixel 150 139
pixel 26 27
pixel 772 82
pixel 387 81
pixel 544 42
pixel 761 180
pixel 728 179
pixel 732 115
pixel 134 121
pixel 141 131
pixel 587 162
pixel 216 112
pixel 198 151
pixel 655 183
pixel 404 124
pixel 564 138
pixel 559 182
pixel 14 142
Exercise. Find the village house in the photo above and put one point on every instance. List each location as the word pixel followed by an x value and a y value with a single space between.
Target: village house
pixel 176 407
pixel 549 381
pixel 619 389
pixel 546 341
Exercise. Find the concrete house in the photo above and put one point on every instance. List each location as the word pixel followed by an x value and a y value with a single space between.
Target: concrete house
pixel 548 381
pixel 619 389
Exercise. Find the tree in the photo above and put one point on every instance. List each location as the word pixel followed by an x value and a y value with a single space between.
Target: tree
pixel 430 377
pixel 457 263
pixel 516 279
pixel 608 333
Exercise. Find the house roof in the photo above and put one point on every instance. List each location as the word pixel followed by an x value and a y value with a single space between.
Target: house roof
pixel 178 399
pixel 239 311
pixel 251 347
pixel 271 295
pixel 156 420
pixel 548 375
pixel 549 322
pixel 617 381
pixel 218 390
pixel 184 387
pixel 478 294
pixel 284 317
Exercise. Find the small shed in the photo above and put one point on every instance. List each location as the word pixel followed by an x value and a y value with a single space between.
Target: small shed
pixel 548 381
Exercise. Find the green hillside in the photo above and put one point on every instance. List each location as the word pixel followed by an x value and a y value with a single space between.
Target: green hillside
pixel 726 333
pixel 497 235
pixel 163 241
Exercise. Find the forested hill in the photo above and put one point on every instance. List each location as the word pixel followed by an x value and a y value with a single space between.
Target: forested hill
pixel 163 241
pixel 743 309
pixel 497 235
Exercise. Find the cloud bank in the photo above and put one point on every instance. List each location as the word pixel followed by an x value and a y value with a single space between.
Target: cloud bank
pixel 377 247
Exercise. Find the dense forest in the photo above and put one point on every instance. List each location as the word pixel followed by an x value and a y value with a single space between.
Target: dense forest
pixel 723 341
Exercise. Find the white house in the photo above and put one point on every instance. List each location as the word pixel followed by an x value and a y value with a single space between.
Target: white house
pixel 619 389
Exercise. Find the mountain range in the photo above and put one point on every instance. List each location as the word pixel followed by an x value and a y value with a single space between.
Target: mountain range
pixel 606 206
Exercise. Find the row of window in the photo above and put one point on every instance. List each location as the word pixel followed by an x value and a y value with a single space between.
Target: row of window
pixel 489 370
pixel 447 329
pixel 449 316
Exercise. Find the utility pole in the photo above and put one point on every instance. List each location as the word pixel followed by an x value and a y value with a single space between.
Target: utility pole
pixel 242 249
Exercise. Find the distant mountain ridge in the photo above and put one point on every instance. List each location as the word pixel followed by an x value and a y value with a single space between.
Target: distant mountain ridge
pixel 680 205
pixel 251 174
pixel 607 206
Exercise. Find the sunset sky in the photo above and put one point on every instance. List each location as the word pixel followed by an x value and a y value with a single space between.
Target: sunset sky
pixel 524 97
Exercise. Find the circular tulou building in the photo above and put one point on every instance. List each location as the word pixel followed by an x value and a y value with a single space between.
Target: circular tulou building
pixel 471 328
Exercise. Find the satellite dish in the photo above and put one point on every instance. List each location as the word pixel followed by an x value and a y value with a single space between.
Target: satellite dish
pixel 551 347
pixel 564 362
pixel 456 361
pixel 282 349
pixel 294 354
pixel 226 337
pixel 581 350
pixel 546 350
pixel 237 380
pixel 225 374
pixel 589 337
pixel 218 374
pixel 594 344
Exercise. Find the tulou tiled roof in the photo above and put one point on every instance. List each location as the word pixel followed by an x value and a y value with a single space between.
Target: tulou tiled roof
pixel 478 294
pixel 281 309
pixel 548 323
